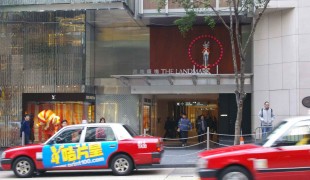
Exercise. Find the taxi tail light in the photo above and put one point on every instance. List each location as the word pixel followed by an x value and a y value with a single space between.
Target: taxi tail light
pixel 159 144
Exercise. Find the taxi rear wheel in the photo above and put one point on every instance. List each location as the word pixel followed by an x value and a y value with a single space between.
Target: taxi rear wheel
pixel 121 165
pixel 23 167
pixel 235 173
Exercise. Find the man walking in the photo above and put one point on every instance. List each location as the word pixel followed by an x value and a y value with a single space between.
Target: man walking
pixel 184 126
pixel 201 127
pixel 266 117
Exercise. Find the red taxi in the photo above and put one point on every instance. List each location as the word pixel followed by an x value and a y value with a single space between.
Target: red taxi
pixel 85 146
pixel 285 155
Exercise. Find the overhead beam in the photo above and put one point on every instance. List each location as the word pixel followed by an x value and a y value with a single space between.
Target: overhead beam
pixel 218 80
pixel 124 80
pixel 147 81
pixel 170 80
pixel 195 78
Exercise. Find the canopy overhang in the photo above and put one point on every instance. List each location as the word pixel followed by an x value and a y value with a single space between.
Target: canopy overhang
pixel 182 83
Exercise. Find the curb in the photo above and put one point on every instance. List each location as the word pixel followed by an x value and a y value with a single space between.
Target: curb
pixel 161 166
pixel 168 166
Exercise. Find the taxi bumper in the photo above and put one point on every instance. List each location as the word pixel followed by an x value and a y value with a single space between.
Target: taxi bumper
pixel 156 157
pixel 6 164
pixel 207 174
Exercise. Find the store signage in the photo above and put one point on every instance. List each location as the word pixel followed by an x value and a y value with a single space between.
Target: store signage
pixel 209 45
pixel 90 97
pixel 182 71
pixel 172 71
pixel 58 97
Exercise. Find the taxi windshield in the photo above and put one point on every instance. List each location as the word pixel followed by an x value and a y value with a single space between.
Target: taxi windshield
pixel 275 131
pixel 130 130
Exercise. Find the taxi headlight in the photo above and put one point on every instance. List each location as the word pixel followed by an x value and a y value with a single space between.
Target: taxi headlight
pixel 3 155
pixel 202 163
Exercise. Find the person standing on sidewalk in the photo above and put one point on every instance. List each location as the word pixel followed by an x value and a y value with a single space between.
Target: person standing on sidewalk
pixel 31 122
pixel 25 128
pixel 184 126
pixel 266 117
pixel 201 127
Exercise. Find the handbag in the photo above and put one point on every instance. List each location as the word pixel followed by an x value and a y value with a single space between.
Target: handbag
pixel 178 129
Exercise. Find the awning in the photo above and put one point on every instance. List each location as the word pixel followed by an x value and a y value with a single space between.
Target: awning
pixel 182 83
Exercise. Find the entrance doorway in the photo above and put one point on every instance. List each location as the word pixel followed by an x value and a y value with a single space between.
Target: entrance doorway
pixel 171 106
pixel 147 124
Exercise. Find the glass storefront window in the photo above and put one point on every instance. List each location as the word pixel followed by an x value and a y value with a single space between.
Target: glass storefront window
pixel 52 113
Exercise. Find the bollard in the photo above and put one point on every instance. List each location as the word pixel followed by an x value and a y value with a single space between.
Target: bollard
pixel 23 138
pixel 241 140
pixel 208 138
pixel 144 132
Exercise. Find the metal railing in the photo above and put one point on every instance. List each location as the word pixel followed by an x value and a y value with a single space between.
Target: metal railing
pixel 258 134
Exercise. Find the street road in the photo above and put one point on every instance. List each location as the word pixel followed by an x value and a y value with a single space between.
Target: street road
pixel 141 174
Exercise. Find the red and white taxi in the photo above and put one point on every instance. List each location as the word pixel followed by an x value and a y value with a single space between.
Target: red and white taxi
pixel 85 146
pixel 285 155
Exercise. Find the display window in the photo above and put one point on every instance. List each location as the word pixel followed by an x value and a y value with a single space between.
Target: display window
pixel 47 116
pixel 49 110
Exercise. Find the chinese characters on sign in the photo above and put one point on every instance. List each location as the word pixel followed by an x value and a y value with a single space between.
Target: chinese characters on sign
pixel 76 155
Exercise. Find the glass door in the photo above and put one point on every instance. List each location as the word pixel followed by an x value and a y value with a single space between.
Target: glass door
pixel 147 124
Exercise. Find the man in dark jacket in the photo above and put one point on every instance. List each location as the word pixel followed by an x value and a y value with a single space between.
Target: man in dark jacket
pixel 201 127
pixel 25 128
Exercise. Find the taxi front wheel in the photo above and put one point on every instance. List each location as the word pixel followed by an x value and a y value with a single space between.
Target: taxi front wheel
pixel 235 173
pixel 23 167
pixel 121 165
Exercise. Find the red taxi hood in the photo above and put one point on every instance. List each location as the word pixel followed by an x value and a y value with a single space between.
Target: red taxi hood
pixel 24 148
pixel 224 150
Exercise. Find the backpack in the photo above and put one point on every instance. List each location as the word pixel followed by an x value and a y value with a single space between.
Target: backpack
pixel 263 114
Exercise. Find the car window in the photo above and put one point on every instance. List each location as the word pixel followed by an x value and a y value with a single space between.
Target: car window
pixel 299 134
pixel 95 134
pixel 275 130
pixel 71 135
pixel 130 130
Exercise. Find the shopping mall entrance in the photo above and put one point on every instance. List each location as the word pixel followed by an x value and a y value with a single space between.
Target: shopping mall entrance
pixel 171 106
pixel 221 108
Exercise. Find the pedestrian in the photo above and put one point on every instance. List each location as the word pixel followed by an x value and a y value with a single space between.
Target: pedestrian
pixel 102 120
pixel 169 127
pixel 64 123
pixel 25 129
pixel 201 127
pixel 184 126
pixel 31 138
pixel 266 117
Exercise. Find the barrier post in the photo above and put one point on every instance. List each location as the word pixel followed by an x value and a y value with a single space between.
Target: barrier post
pixel 208 138
pixel 23 138
pixel 144 132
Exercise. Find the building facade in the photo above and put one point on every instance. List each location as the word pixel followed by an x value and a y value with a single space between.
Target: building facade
pixel 128 63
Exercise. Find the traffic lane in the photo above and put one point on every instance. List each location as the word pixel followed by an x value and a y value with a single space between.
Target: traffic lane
pixel 141 174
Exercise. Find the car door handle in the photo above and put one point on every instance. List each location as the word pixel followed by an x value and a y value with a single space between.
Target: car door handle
pixel 74 147
pixel 112 146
